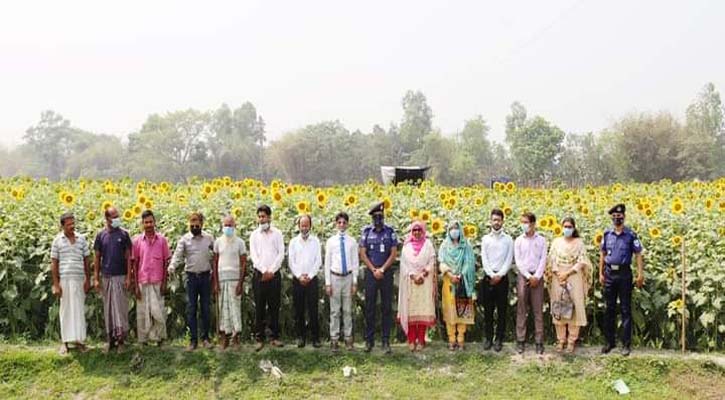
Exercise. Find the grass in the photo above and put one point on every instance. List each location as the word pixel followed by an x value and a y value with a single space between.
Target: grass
pixel 37 371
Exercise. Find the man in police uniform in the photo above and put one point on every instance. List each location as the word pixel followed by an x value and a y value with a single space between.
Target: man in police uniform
pixel 378 250
pixel 619 244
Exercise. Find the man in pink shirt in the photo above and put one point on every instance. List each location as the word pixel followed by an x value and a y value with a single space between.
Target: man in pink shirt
pixel 530 256
pixel 150 256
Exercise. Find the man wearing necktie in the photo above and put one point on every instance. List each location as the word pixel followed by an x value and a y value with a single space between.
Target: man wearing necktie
pixel 341 266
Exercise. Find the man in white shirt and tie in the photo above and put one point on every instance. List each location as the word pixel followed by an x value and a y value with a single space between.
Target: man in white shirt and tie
pixel 305 260
pixel 266 247
pixel 341 268
pixel 497 252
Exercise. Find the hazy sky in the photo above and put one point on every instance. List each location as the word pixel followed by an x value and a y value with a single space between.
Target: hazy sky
pixel 580 64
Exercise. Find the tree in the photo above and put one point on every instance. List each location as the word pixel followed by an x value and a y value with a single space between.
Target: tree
pixel 535 144
pixel 235 141
pixel 703 139
pixel 647 146
pixel 51 141
pixel 416 124
pixel 437 152
pixel 172 146
pixel 475 146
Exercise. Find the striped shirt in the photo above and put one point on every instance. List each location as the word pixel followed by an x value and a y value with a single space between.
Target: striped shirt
pixel 70 256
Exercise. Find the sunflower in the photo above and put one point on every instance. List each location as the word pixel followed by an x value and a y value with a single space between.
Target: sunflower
pixel 508 211
pixel 263 191
pixel 425 215
pixel 413 213
pixel 721 206
pixel 137 209
pixel 450 203
pixel 142 199
pixel 237 212
pixel 275 184
pixel 648 212
pixel 654 232
pixel 557 229
pixel 207 189
pixel 598 237
pixel 277 197
pixel 544 223
pixel 676 240
pixel 237 195
pixel 321 197
pixel 91 216
pixel 443 196
pixel 149 205
pixel 289 190
pixel 677 207
pixel 470 231
pixel 68 199
pixel 350 200
pixel 303 207
pixel 128 215
pixel 510 186
pixel 478 201
pixel 387 204
pixel 105 205
pixel 437 226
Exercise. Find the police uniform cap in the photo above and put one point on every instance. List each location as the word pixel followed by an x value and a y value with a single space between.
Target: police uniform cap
pixel 380 207
pixel 619 208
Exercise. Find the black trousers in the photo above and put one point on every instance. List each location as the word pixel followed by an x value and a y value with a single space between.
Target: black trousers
pixel 266 304
pixel 306 297
pixel 372 287
pixel 618 285
pixel 494 298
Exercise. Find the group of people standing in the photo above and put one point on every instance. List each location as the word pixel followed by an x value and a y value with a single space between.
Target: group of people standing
pixel 217 267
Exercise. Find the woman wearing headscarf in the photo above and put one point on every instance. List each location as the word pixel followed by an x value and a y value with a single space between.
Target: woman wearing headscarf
pixel 417 286
pixel 571 271
pixel 458 269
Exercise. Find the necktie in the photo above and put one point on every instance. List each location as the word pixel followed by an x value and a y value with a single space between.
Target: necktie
pixel 342 254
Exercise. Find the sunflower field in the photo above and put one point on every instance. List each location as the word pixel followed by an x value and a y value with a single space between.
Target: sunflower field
pixel 664 215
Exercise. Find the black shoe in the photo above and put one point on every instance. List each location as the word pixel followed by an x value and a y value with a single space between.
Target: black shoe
pixel 300 343
pixel 487 344
pixel 316 344
pixel 368 347
pixel 539 348
pixel 626 350
pixel 498 346
pixel 386 348
pixel 520 347
pixel 334 346
pixel 607 348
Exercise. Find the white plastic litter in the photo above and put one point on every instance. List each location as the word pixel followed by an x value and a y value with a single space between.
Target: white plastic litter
pixel 620 387
pixel 348 371
pixel 269 368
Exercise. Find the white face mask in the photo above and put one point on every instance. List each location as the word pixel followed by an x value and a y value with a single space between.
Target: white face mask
pixel 115 223
pixel 525 228
pixel 264 226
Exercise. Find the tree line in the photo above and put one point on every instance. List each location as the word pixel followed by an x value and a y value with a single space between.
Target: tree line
pixel 638 147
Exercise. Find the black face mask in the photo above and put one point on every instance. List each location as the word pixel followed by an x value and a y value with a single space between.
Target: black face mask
pixel 196 230
pixel 378 220
pixel 618 221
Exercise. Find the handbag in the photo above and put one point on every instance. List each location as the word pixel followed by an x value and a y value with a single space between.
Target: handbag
pixel 564 307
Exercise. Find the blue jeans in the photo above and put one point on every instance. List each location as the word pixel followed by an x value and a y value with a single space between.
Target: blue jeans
pixel 198 287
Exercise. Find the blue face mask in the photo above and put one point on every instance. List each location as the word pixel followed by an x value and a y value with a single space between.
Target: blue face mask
pixel 116 223
pixel 455 234
pixel 568 232
pixel 228 231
